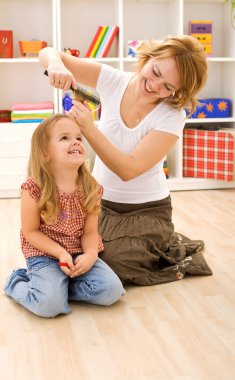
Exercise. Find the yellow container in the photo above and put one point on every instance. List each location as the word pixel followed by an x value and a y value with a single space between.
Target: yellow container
pixel 203 38
pixel 201 21
pixel 207 49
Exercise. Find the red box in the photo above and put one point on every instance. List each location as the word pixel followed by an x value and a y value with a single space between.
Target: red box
pixel 6 44
pixel 209 154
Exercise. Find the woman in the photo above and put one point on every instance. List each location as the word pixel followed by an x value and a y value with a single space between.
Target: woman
pixel 142 118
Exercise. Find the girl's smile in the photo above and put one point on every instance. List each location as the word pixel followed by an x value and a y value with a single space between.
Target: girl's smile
pixel 66 141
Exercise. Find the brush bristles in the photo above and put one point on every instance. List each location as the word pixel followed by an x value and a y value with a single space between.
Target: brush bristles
pixel 85 95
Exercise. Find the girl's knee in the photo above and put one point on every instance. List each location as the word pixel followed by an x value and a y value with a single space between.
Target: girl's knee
pixel 113 291
pixel 50 312
pixel 50 307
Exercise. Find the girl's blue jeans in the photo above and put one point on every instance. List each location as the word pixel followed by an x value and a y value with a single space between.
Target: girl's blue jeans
pixel 45 290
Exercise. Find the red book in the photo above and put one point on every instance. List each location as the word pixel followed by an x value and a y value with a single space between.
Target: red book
pixel 93 41
pixel 111 37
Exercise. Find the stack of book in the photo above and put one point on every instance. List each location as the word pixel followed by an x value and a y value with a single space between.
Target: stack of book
pixel 31 112
pixel 102 42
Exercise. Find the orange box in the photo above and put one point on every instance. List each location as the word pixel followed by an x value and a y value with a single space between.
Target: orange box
pixel 31 47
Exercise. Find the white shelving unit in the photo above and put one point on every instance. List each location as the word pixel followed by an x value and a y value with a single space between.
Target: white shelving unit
pixel 72 24
pixel 21 80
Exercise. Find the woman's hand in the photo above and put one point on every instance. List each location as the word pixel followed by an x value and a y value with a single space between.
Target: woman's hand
pixel 82 114
pixel 60 77
pixel 83 264
pixel 66 263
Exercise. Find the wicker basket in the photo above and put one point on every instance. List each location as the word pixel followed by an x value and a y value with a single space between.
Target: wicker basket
pixel 31 47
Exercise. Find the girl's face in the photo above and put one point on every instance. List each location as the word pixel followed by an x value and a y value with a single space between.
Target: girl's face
pixel 66 147
pixel 159 78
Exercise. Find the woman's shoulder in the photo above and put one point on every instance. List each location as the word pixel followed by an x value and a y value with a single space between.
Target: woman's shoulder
pixel 169 120
pixel 168 112
pixel 31 186
pixel 110 76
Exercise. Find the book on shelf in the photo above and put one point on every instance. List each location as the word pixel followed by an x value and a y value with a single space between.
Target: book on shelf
pixel 113 33
pixel 102 41
pixel 87 55
pixel 98 41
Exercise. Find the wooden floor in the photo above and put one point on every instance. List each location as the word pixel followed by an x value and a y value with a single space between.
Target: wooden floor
pixel 183 330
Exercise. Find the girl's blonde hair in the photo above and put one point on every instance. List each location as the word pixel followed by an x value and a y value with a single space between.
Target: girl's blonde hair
pixel 191 62
pixel 39 169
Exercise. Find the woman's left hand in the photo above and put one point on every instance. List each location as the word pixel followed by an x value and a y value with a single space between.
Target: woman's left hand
pixel 82 114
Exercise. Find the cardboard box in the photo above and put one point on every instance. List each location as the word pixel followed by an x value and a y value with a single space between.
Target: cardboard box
pixel 209 154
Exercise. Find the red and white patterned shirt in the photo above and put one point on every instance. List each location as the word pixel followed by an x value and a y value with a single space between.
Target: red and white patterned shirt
pixel 68 228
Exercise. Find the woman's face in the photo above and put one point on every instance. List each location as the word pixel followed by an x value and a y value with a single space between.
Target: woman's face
pixel 159 78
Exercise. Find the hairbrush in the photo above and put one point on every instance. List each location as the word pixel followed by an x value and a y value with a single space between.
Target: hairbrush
pixel 81 94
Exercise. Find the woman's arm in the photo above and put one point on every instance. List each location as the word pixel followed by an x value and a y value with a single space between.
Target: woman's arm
pixel 90 243
pixel 65 70
pixel 153 147
pixel 30 222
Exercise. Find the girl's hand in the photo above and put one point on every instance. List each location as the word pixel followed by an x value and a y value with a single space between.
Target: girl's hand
pixel 83 264
pixel 82 114
pixel 66 263
pixel 60 77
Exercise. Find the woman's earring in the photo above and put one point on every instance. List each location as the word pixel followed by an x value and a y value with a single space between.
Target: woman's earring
pixel 173 94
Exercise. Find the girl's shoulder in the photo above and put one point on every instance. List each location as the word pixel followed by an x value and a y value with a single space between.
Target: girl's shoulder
pixel 33 188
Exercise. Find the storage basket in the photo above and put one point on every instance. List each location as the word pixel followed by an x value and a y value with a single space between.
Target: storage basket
pixel 31 47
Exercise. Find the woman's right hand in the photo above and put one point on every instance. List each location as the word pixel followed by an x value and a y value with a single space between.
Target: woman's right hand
pixel 60 77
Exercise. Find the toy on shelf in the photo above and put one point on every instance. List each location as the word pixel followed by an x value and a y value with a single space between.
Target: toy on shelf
pixel 67 102
pixel 202 31
pixel 165 167
pixel 74 52
pixel 31 47
pixel 133 46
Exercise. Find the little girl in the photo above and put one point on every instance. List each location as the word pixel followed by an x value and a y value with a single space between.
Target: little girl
pixel 59 235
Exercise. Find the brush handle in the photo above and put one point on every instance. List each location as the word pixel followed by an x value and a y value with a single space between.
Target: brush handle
pixel 46 73
pixel 83 93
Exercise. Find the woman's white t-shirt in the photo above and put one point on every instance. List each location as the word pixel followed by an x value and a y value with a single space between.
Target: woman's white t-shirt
pixel 152 185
